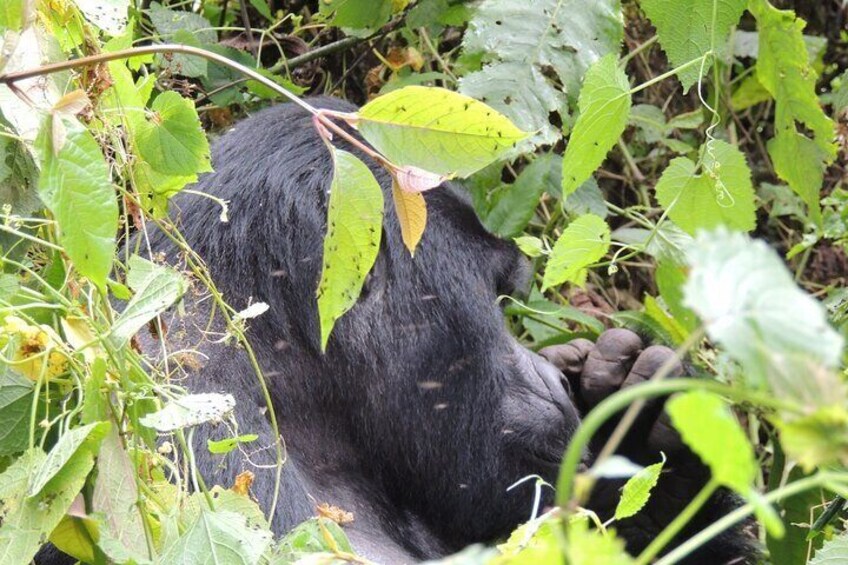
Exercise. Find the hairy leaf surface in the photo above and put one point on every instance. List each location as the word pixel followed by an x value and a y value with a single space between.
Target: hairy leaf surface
pixel 689 29
pixel 722 195
pixel 604 107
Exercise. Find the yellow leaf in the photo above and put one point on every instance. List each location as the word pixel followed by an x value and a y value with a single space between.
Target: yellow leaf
pixel 411 211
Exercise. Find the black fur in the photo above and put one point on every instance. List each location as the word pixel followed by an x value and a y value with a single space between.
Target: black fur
pixel 424 408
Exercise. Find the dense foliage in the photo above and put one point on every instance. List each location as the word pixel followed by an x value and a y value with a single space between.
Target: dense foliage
pixel 673 166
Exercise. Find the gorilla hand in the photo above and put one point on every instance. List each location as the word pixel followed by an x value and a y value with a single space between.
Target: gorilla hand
pixel 618 360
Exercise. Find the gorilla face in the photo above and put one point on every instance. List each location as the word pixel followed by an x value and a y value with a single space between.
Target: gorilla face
pixel 449 407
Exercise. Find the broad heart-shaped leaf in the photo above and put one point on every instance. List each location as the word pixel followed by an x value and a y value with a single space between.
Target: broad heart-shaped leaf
pixel 582 243
pixel 156 288
pixel 75 185
pixel 534 54
pixel 411 210
pixel 436 130
pixel 604 107
pixel 172 140
pixel 27 521
pixel 710 429
pixel 86 437
pixel 354 229
pixel 751 306
pixel 688 29
pixel 637 490
pixel 784 69
pixel 221 537
pixel 722 195
pixel 833 552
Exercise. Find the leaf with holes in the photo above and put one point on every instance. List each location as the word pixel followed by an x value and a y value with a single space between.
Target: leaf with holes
pixel 722 195
pixel 689 29
pixel 436 130
pixel 604 107
pixel 190 410
pixel 582 243
pixel 354 229
pixel 534 56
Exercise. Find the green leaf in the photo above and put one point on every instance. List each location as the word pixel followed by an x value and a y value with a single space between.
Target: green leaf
pixel 182 26
pixel 670 278
pixel 226 445
pixel 604 107
pixel 536 53
pixel 156 288
pixel 722 195
pixel 190 410
pixel 784 70
pixel 221 537
pixel 263 8
pixel 357 14
pixel 587 199
pixel 16 396
pixel 588 546
pixel 637 490
pixel 751 306
pixel 316 535
pixel 75 185
pixel 517 204
pixel 27 520
pixel 116 496
pixel 12 14
pixel 687 30
pixel 833 552
pixel 709 428
pixel 86 437
pixel 816 439
pixel 582 243
pixel 530 246
pixel 436 130
pixel 172 141
pixel 354 229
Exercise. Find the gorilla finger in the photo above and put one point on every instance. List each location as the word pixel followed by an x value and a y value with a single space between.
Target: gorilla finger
pixel 608 364
pixel 568 357
pixel 649 362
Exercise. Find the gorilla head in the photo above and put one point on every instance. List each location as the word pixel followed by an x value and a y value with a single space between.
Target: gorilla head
pixel 424 409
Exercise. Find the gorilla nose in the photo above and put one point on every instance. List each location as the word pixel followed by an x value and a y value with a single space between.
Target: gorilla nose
pixel 553 378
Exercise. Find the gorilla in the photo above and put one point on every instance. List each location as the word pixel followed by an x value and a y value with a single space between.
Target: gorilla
pixel 424 409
